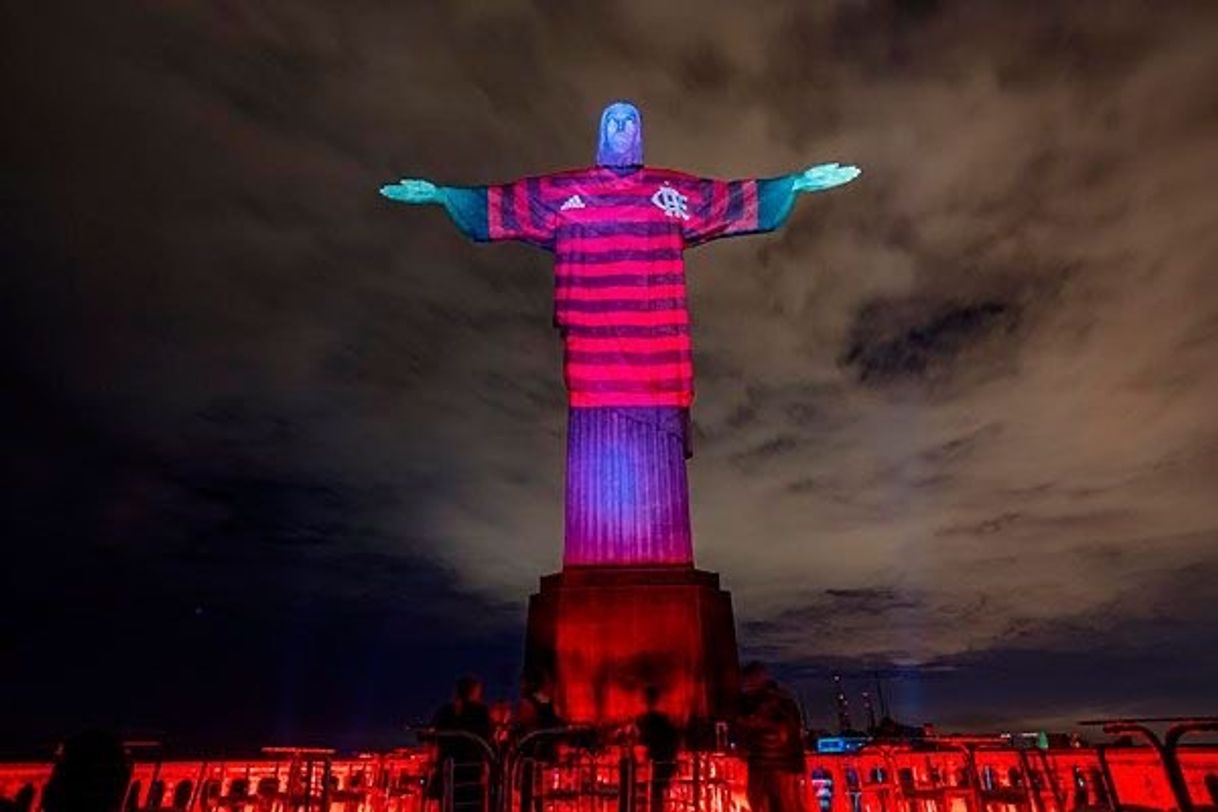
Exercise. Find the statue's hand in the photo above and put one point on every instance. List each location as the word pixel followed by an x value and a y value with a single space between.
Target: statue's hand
pixel 409 190
pixel 825 176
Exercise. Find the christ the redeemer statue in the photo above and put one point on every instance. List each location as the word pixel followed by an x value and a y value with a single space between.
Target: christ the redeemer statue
pixel 618 231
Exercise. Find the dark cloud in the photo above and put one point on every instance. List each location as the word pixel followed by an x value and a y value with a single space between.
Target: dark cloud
pixel 1051 678
pixel 954 421
pixel 880 351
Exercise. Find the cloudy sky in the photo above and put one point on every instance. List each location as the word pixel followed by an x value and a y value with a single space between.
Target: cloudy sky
pixel 282 457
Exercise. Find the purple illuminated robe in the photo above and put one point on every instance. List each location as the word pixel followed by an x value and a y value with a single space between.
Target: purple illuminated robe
pixel 627 492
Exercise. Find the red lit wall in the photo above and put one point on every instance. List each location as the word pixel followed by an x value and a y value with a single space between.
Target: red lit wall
pixel 607 635
pixel 877 780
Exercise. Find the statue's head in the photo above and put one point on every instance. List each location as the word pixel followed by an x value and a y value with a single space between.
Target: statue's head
pixel 621 136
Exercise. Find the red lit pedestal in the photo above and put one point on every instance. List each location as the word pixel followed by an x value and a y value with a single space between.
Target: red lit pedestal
pixel 606 633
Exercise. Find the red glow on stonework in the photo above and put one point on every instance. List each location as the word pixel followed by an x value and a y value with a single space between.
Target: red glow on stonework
pixel 876 779
pixel 607 635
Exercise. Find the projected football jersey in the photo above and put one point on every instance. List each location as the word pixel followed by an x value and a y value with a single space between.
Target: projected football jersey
pixel 618 236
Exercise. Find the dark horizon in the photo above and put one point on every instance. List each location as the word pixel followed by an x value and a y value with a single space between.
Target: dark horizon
pixel 285 458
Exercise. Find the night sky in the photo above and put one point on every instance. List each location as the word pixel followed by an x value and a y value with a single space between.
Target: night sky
pixel 283 458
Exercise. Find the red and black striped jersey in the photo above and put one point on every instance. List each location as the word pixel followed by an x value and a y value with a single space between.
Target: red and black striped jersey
pixel 618 239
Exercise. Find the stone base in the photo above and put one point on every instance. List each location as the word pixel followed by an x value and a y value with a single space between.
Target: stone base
pixel 606 633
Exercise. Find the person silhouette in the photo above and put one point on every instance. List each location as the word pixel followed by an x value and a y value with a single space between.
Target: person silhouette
pixel 771 729
pixel 662 740
pixel 464 716
pixel 90 774
pixel 535 712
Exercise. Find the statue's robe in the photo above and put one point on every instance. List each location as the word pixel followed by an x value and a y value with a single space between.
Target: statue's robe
pixel 618 235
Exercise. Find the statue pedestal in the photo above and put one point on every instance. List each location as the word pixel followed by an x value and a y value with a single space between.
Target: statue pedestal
pixel 607 633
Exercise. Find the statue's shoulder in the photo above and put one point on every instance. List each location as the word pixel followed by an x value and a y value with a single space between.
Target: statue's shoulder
pixel 572 174
pixel 673 177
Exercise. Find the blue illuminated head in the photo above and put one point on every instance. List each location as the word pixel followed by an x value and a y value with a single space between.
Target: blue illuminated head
pixel 621 136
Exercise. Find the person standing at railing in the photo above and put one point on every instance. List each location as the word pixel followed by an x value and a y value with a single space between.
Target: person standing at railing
pixel 535 713
pixel 465 714
pixel 770 727
pixel 662 739
pixel 536 710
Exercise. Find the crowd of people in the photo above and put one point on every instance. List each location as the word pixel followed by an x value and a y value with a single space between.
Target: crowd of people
pixel 469 735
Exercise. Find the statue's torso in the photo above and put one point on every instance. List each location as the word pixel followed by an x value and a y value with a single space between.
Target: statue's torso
pixel 620 295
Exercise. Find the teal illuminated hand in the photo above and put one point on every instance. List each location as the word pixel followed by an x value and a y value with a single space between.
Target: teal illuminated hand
pixel 825 176
pixel 410 190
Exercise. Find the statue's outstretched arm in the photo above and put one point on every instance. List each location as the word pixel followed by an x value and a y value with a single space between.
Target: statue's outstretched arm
pixel 777 195
pixel 754 206
pixel 523 216
pixel 461 204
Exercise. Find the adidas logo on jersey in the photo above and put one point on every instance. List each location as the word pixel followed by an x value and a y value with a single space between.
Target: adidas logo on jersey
pixel 572 202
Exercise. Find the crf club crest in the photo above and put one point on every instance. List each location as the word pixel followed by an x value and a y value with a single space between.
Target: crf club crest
pixel 671 202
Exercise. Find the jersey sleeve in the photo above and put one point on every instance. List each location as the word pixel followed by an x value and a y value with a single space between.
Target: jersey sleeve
pixel 728 208
pixel 507 211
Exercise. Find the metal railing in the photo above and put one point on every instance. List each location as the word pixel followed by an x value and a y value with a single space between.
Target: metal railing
pixel 1166 748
